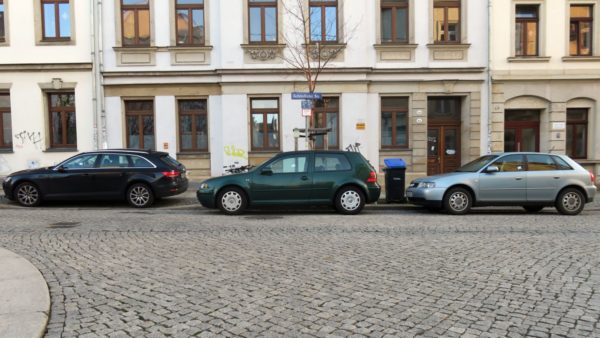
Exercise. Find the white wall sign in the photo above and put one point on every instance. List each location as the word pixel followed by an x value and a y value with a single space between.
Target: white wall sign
pixel 559 125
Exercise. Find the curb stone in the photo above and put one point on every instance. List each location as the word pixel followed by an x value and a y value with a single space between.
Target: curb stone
pixel 24 298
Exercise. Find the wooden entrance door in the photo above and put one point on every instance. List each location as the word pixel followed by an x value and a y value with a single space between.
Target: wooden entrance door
pixel 443 148
pixel 522 130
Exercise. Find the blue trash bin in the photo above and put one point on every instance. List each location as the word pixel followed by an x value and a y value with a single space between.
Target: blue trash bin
pixel 395 178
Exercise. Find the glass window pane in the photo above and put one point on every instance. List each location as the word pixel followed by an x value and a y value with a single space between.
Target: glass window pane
pixel 581 11
pixel 386 24
pixel 270 24
pixel 315 24
pixel 4 101
pixel 255 24
pixel 453 23
pixel 57 132
pixel 401 131
pixel 519 41
pixel 394 102
pixel 2 33
pixel 273 130
pixel 257 131
pixel 290 165
pixel 182 26
pixel 139 162
pixel 529 139
pixel 65 20
pixel 135 2
pixel 577 114
pixel 401 24
pixel 332 122
pixel 114 161
pixel 540 163
pixel 438 24
pixel 331 162
pixel 133 133
pixel 190 2
pixel 580 140
pixel 586 38
pixel 510 163
pixel 81 162
pixel 264 104
pixel 198 26
pixel 49 21
pixel 6 128
pixel 128 27
pixel 573 36
pixel 185 131
pixel 149 132
pixel 531 38
pixel 71 128
pixel 144 27
pixel 331 23
pixel 526 12
pixel 201 132
pixel 386 129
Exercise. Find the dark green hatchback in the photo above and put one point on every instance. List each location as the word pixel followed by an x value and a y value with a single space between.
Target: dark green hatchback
pixel 343 179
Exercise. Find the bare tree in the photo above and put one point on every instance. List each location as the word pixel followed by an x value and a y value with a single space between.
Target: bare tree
pixel 306 55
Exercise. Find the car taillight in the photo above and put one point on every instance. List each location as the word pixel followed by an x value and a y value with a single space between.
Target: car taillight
pixel 592 177
pixel 172 173
pixel 372 177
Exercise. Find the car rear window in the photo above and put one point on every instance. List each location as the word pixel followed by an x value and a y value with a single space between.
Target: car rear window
pixel 561 164
pixel 171 161
pixel 140 162
pixel 331 162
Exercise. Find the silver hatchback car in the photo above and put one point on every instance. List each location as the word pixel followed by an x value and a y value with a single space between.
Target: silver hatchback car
pixel 530 180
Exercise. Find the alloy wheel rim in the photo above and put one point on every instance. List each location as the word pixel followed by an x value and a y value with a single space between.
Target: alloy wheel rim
pixel 459 201
pixel 139 196
pixel 231 201
pixel 350 200
pixel 28 195
pixel 571 201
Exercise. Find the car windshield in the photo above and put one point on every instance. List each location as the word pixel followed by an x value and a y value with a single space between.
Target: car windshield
pixel 476 165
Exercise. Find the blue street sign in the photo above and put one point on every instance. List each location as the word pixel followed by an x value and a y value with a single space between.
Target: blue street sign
pixel 306 96
pixel 307 104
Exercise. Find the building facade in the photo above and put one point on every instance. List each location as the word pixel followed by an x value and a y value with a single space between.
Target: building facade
pixel 546 77
pixel 208 81
pixel 46 82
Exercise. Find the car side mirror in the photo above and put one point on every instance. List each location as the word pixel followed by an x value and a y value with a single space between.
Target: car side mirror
pixel 60 169
pixel 492 169
pixel 266 172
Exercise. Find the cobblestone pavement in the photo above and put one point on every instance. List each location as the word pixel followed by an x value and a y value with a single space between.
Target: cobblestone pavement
pixel 185 271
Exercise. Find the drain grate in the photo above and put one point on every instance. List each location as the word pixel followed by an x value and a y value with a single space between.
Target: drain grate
pixel 263 218
pixel 63 225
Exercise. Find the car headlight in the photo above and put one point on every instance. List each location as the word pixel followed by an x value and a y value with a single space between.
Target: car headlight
pixel 204 186
pixel 427 185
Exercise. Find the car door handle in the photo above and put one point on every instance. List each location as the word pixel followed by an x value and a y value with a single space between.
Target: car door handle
pixel 304 178
pixel 556 177
pixel 518 178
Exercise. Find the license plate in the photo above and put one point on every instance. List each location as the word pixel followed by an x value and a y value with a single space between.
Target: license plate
pixel 409 194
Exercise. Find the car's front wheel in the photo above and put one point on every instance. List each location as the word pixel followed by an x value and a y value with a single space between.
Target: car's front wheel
pixel 349 201
pixel 139 195
pixel 458 201
pixel 28 195
pixel 232 201
pixel 570 202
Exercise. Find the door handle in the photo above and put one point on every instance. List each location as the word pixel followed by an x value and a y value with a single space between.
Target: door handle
pixel 304 178
pixel 518 178
pixel 556 178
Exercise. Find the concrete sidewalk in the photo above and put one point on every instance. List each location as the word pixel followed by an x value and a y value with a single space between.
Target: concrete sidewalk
pixel 24 298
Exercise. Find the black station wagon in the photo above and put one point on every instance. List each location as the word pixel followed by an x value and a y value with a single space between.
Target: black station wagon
pixel 137 176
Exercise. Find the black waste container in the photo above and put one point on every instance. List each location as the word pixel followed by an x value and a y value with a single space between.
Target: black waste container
pixel 395 178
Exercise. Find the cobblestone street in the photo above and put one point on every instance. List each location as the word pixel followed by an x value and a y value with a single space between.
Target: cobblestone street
pixel 185 271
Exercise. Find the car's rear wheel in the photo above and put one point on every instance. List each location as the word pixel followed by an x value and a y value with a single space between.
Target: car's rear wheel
pixel 28 195
pixel 533 208
pixel 458 201
pixel 570 202
pixel 349 201
pixel 140 195
pixel 232 201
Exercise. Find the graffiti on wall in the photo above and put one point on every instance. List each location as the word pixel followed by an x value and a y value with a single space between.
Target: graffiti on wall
pixel 28 137
pixel 233 151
